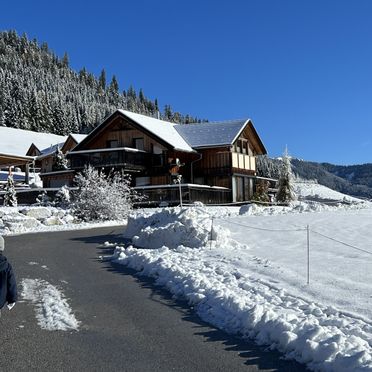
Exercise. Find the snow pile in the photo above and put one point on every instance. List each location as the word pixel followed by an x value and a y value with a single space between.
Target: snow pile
pixel 255 285
pixel 52 310
pixel 308 332
pixel 23 219
pixel 172 227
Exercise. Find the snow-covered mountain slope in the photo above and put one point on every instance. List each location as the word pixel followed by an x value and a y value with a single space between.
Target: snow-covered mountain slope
pixel 313 191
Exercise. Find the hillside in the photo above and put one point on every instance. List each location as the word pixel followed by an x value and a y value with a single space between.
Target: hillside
pixel 40 92
pixel 354 180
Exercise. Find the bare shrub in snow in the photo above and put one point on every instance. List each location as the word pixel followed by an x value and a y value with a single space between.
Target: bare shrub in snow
pixel 102 196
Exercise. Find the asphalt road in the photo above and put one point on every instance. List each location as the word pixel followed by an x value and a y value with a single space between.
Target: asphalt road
pixel 127 323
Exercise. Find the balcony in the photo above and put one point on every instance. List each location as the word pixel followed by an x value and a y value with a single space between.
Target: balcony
pixel 128 159
pixel 225 163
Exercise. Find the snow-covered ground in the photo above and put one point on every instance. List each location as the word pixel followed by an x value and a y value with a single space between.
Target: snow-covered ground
pixel 248 274
pixel 244 269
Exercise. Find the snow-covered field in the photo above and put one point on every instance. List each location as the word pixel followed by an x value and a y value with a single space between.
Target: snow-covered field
pixel 248 274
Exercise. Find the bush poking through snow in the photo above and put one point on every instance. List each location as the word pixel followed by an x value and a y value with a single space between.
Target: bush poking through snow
pixel 102 196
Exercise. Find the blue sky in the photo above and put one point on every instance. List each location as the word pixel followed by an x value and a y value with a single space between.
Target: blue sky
pixel 300 69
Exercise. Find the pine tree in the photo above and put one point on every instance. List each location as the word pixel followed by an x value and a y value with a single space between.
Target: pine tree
pixel 285 193
pixel 102 80
pixel 60 161
pixel 262 191
pixel 113 91
pixel 65 60
pixel 10 196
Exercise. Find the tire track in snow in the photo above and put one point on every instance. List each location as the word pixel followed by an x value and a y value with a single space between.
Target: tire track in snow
pixel 52 310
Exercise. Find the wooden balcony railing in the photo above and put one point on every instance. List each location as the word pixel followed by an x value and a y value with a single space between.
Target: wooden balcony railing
pixel 126 159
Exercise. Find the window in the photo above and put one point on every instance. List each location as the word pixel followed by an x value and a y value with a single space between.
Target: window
pixel 245 144
pixel 138 143
pixel 156 149
pixel 142 181
pixel 238 146
pixel 112 144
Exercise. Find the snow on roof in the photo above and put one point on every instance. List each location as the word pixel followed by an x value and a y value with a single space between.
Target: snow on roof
pixel 17 141
pixel 51 149
pixel 163 129
pixel 78 137
pixel 211 133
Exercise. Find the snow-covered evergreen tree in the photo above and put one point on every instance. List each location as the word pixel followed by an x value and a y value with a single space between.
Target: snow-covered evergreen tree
pixel 267 167
pixel 285 193
pixel 60 161
pixel 10 196
pixel 102 196
pixel 62 198
pixel 262 191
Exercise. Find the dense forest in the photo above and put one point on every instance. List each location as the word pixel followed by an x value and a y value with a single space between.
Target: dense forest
pixel 40 92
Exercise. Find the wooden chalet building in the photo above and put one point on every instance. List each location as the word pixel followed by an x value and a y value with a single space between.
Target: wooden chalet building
pixel 45 161
pixel 217 161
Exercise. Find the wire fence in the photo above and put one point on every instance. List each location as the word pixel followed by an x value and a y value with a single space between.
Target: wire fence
pixel 306 229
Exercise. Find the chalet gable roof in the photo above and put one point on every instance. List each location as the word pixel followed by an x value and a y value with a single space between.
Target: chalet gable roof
pixel 183 137
pixel 216 134
pixel 160 128
pixel 163 131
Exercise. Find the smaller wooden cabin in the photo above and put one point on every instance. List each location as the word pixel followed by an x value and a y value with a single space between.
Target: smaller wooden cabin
pixel 49 174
